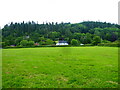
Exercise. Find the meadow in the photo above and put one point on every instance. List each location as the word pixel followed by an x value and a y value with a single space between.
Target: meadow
pixel 60 67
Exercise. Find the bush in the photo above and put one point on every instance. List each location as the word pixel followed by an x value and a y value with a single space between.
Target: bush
pixel 105 41
pixel 112 44
pixel 96 40
pixel 74 42
pixel 24 43
pixel 49 42
pixel 2 44
pixel 30 43
pixel 42 43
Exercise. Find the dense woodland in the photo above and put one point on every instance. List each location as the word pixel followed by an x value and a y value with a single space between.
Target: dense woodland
pixel 87 32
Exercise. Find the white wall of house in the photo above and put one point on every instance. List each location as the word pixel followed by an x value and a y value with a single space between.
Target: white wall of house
pixel 61 43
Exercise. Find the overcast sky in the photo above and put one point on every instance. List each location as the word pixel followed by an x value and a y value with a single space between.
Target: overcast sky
pixel 73 11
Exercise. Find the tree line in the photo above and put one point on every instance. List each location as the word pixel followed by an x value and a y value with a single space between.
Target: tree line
pixel 87 32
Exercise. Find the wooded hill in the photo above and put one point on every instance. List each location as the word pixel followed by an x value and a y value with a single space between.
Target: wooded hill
pixel 85 32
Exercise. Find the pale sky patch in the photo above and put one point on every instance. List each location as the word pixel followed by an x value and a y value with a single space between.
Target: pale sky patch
pixel 73 11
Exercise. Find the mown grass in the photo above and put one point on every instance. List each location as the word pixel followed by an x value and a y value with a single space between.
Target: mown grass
pixel 60 67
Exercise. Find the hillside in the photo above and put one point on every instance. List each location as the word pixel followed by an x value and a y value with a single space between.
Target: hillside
pixel 84 32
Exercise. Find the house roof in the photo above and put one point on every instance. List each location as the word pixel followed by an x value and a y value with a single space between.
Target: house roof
pixel 62 41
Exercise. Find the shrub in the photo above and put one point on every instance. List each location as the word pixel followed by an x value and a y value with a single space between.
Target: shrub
pixel 111 44
pixel 30 43
pixel 74 42
pixel 24 43
pixel 96 40
pixel 49 42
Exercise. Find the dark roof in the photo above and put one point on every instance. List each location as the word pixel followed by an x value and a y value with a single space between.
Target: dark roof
pixel 62 41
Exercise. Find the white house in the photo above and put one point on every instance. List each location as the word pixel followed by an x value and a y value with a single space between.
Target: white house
pixel 81 44
pixel 62 43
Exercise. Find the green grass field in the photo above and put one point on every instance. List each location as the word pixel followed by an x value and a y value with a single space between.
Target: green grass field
pixel 60 67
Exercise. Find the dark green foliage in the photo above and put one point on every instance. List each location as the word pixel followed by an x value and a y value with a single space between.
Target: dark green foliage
pixel 96 40
pixel 49 42
pixel 30 43
pixel 105 41
pixel 24 43
pixel 2 44
pixel 18 40
pixel 111 44
pixel 74 42
pixel 84 32
pixel 42 43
